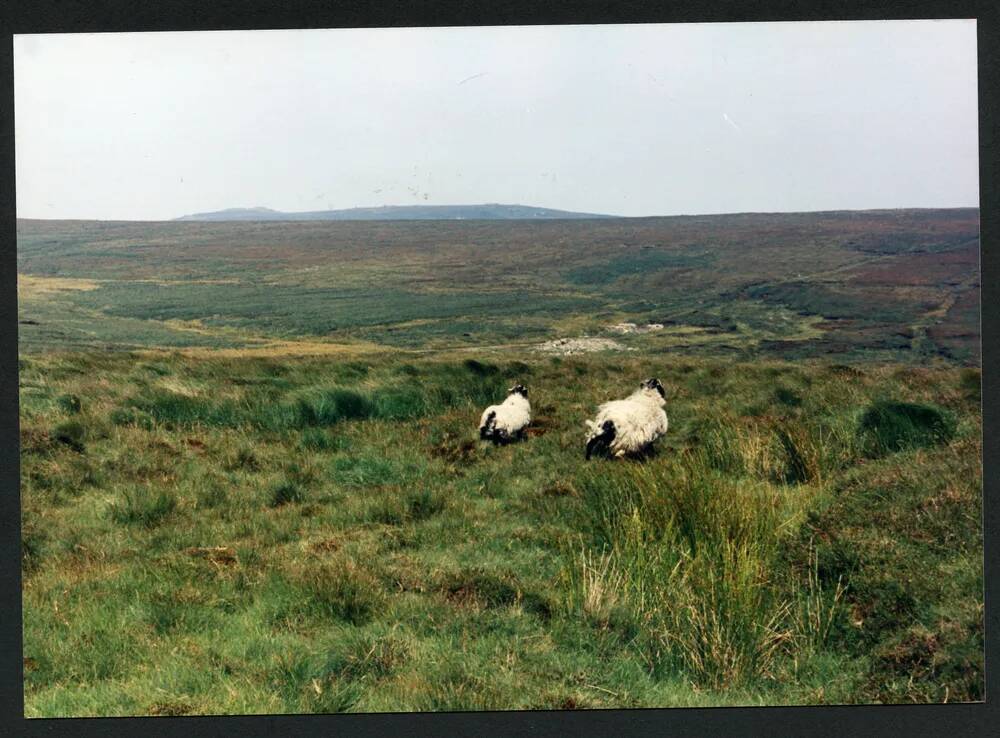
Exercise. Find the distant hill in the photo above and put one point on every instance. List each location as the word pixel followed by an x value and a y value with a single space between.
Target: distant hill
pixel 489 211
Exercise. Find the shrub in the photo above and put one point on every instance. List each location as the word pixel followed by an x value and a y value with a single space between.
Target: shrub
pixel 888 426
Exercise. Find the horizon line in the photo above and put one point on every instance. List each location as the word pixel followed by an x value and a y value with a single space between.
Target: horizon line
pixel 596 216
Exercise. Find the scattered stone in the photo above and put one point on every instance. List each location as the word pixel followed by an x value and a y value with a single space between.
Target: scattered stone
pixel 626 328
pixel 569 346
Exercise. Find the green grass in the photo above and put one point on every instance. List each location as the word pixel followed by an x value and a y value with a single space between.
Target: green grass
pixel 636 263
pixel 265 535
pixel 292 310
pixel 142 506
pixel 889 426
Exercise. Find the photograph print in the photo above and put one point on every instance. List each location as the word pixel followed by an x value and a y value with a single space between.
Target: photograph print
pixel 499 368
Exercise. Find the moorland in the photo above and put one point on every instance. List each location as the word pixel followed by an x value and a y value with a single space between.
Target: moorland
pixel 251 479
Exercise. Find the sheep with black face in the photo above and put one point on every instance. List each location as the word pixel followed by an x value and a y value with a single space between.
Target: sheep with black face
pixel 631 425
pixel 507 421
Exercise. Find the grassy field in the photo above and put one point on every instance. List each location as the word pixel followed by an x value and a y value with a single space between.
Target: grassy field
pixel 284 535
pixel 252 484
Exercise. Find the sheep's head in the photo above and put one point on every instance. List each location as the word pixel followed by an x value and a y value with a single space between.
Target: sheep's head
pixel 654 384
pixel 519 389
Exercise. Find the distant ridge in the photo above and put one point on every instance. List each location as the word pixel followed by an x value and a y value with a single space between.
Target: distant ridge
pixel 489 211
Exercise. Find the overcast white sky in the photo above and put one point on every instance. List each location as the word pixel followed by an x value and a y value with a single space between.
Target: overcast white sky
pixel 627 120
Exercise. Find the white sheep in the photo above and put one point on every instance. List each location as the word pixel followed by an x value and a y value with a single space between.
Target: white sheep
pixel 504 422
pixel 629 426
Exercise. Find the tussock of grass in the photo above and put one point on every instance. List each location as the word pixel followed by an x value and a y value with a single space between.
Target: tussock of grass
pixel 413 505
pixel 69 403
pixel 914 599
pixel 70 433
pixel 327 407
pixel 285 493
pixel 888 426
pixel 321 439
pixel 175 409
pixel 210 495
pixel 399 404
pixel 482 588
pixel 243 458
pixel 762 450
pixel 689 555
pixel 142 506
pixel 340 589
pixel 787 397
pixel 479 368
pixel 971 381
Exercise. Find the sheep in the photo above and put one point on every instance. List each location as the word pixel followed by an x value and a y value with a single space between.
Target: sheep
pixel 631 425
pixel 505 422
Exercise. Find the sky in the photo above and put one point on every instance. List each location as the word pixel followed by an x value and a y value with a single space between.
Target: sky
pixel 629 120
